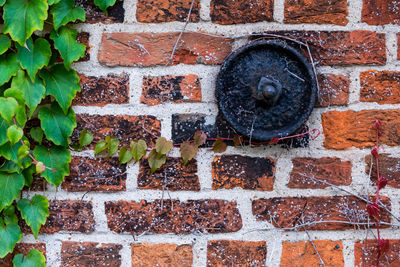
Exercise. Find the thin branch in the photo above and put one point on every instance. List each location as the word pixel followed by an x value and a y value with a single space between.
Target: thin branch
pixel 315 248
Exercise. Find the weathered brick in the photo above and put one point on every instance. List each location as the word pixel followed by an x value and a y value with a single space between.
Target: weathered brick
pixel 173 176
pixel 95 15
pixel 67 215
pixel 344 129
pixel 230 171
pixel 83 38
pixel 236 253
pixel 22 248
pixel 99 174
pixel 82 254
pixel 160 89
pixel 379 12
pixel 125 128
pixel 340 48
pixel 316 11
pixel 287 212
pixel 149 49
pixel 365 253
pixel 302 253
pixel 398 46
pixel 382 87
pixel 241 11
pixel 333 90
pixel 389 168
pixel 100 91
pixel 331 170
pixel 146 254
pixel 155 11
pixel 159 217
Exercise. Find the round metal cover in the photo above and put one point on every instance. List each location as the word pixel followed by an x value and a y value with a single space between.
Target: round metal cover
pixel 266 89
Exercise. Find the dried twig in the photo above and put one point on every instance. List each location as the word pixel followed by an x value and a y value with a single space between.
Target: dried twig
pixel 313 245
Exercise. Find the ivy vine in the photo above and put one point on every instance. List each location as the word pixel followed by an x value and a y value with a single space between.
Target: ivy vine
pixel 37 47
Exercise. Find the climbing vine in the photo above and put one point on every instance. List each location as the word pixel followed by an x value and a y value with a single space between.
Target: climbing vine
pixel 37 86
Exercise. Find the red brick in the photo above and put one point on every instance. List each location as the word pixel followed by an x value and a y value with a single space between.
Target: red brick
pixel 302 253
pixel 155 11
pixel 95 15
pixel 331 170
pixel 236 253
pixel 125 128
pixel 316 11
pixel 67 215
pixel 241 11
pixel 83 38
pixel 333 90
pixel 150 49
pixel 22 248
pixel 286 212
pixel 341 48
pixel 379 12
pixel 365 253
pixel 389 168
pixel 344 129
pixel 159 217
pixel 398 46
pixel 230 171
pixel 173 175
pixel 146 254
pixel 99 174
pixel 104 90
pixel 160 89
pixel 82 254
pixel 382 87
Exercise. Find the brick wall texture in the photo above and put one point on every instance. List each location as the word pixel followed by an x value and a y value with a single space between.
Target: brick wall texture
pixel 240 207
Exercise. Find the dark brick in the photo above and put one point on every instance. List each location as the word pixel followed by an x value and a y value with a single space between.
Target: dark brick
pixel 22 248
pixel 365 253
pixel 333 90
pixel 95 15
pixel 389 168
pixel 159 217
pixel 380 12
pixel 83 38
pixel 176 175
pixel 230 171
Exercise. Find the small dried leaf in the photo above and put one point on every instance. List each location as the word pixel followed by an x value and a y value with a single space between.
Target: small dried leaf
pixel 219 146
pixel 40 167
pixel 188 151
pixel 138 149
pixel 163 146
pixel 155 160
pixel 199 138
pixel 237 140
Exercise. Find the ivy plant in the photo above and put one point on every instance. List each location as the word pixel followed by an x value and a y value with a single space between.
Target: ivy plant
pixel 38 44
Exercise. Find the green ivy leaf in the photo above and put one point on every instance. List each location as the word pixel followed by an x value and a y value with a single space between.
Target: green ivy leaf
pixel 65 11
pixel 85 138
pixel 14 134
pixel 5 43
pixel 10 234
pixel 9 215
pixel 9 66
pixel 155 160
pixel 56 125
pixel 3 131
pixel 56 158
pixel 20 115
pixel 53 2
pixel 39 167
pixel 138 149
pixel 33 57
pixel 10 152
pixel 124 155
pixel 10 185
pixel 112 145
pixel 15 93
pixel 23 17
pixel 33 91
pixel 22 152
pixel 34 212
pixel 2 2
pixel 104 4
pixel 61 83
pixel 34 259
pixel 65 42
pixel 100 147
pixel 28 175
pixel 188 151
pixel 163 146
pixel 37 134
pixel 8 106
pixel 10 167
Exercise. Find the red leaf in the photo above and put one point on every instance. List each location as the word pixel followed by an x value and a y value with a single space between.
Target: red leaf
pixel 375 152
pixel 384 245
pixel 382 182
pixel 373 210
pixel 274 140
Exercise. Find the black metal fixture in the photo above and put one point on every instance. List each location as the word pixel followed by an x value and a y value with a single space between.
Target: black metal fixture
pixel 266 89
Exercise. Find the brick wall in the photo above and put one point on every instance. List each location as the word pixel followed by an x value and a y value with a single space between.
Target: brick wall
pixel 216 209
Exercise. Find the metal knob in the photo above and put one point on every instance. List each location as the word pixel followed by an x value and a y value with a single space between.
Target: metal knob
pixel 268 91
